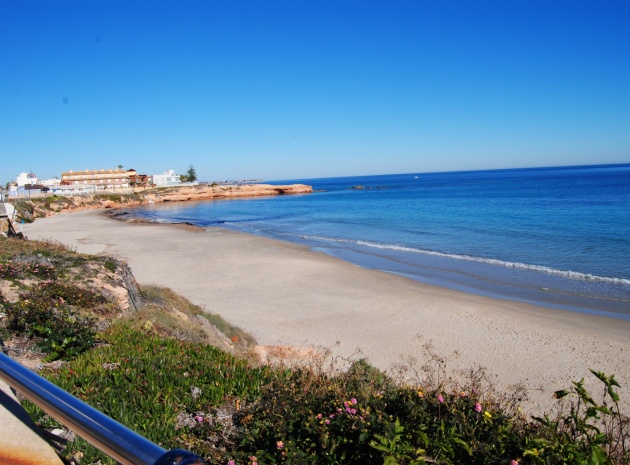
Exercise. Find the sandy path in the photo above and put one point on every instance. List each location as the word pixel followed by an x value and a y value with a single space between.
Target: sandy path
pixel 287 294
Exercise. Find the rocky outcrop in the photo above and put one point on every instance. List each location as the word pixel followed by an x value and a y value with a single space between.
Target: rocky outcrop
pixel 218 192
pixel 28 210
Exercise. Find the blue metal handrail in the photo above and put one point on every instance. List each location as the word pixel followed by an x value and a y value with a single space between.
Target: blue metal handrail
pixel 117 441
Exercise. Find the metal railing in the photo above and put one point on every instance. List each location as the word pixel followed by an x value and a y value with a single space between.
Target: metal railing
pixel 117 441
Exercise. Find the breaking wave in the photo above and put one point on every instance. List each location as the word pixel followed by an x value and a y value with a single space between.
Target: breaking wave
pixel 490 261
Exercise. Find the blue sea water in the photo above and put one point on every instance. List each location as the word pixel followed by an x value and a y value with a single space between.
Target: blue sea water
pixel 557 237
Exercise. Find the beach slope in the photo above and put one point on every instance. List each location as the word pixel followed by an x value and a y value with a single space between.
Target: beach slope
pixel 284 294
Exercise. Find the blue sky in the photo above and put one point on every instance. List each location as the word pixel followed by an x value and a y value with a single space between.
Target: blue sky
pixel 298 88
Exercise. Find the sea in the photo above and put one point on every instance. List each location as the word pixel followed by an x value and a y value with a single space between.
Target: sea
pixel 555 237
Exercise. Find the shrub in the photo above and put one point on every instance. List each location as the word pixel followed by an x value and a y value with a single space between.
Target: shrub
pixel 61 332
pixel 50 312
pixel 111 264
pixel 591 432
pixel 65 293
pixel 16 270
pixel 310 418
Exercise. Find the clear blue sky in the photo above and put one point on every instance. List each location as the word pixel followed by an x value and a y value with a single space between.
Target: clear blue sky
pixel 312 88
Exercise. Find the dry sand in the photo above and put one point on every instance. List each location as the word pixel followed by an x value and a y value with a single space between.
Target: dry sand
pixel 287 294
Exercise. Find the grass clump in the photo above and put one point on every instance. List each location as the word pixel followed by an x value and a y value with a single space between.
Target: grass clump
pixel 117 198
pixel 157 300
pixel 54 202
pixel 111 197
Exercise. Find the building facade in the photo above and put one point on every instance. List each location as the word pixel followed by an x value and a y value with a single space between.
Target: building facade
pixel 26 178
pixel 101 179
pixel 169 178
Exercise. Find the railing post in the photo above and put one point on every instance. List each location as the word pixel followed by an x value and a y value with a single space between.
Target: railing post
pixel 104 433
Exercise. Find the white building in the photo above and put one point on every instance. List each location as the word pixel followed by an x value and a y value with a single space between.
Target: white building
pixel 52 182
pixel 169 178
pixel 26 178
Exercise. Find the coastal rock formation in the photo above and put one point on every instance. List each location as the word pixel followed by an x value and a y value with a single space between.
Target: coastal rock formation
pixel 28 210
pixel 217 192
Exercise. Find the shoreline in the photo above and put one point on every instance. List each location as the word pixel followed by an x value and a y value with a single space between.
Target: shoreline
pixel 521 282
pixel 287 294
pixel 495 291
pixel 45 206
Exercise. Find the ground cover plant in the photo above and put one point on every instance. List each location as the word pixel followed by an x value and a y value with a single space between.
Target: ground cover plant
pixel 160 387
pixel 56 305
pixel 228 411
pixel 186 379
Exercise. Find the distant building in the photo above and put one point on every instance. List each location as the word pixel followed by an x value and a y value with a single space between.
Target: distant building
pixel 169 178
pixel 101 179
pixel 139 180
pixel 36 189
pixel 26 178
pixel 29 190
pixel 52 182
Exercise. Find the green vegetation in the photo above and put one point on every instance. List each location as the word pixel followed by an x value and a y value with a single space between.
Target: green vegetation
pixel 52 314
pixel 118 198
pixel 190 176
pixel 57 304
pixel 184 378
pixel 156 385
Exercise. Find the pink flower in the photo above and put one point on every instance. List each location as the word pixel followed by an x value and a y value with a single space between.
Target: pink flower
pixel 319 416
pixel 353 401
pixel 478 407
pixel 513 462
pixel 199 419
pixel 231 462
pixel 327 421
pixel 280 444
pixel 440 398
pixel 462 394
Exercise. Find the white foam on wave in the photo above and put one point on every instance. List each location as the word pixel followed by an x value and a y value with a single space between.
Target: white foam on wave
pixel 490 261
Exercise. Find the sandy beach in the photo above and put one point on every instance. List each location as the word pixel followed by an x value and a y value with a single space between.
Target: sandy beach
pixel 285 294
